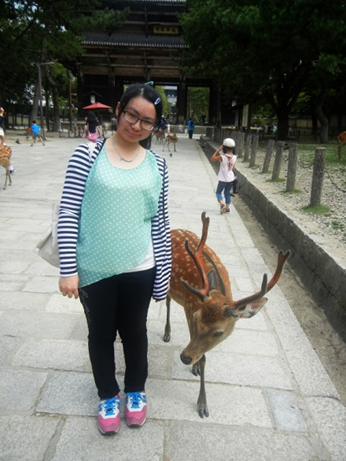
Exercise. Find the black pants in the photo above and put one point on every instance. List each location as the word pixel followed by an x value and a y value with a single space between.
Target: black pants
pixel 118 304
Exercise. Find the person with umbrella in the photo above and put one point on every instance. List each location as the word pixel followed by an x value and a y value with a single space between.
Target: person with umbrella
pixel 91 128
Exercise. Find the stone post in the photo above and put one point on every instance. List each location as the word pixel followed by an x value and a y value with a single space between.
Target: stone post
pixel 254 147
pixel 240 144
pixel 317 176
pixel 278 160
pixel 247 147
pixel 292 167
pixel 269 153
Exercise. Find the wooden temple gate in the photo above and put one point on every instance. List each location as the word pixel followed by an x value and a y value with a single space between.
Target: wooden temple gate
pixel 146 48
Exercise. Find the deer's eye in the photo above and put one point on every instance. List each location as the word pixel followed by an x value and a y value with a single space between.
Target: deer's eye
pixel 218 333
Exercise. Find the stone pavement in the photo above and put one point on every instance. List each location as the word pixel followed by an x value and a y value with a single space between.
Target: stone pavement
pixel 269 396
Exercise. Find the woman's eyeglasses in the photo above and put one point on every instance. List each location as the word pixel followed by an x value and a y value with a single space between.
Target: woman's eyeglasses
pixel 133 119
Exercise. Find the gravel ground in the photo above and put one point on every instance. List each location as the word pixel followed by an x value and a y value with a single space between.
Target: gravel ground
pixel 330 227
pixel 327 343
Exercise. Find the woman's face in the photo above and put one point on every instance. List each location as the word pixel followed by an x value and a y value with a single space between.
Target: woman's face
pixel 136 107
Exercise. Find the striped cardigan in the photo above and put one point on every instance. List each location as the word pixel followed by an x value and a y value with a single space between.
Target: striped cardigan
pixel 77 173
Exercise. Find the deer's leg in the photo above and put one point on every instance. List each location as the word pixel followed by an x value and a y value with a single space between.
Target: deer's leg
pixel 174 147
pixel 167 334
pixel 7 178
pixel 202 406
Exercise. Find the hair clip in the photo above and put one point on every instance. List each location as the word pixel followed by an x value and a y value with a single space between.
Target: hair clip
pixel 158 100
pixel 151 83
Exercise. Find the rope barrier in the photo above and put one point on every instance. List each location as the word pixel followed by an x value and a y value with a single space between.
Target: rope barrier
pixel 333 183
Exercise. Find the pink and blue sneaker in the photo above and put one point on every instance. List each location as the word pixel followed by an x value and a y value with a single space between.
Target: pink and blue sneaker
pixel 109 415
pixel 136 408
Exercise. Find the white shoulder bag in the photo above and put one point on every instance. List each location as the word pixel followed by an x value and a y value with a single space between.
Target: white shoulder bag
pixel 48 245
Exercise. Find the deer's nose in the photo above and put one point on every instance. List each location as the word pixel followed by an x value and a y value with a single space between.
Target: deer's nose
pixel 186 360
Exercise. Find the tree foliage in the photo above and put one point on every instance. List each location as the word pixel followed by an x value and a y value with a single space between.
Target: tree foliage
pixel 38 31
pixel 268 48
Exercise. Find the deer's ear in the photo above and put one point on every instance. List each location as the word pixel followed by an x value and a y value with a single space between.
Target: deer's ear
pixel 245 311
pixel 212 280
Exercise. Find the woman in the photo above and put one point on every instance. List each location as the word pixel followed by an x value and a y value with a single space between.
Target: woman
pixel 224 155
pixel 91 128
pixel 115 248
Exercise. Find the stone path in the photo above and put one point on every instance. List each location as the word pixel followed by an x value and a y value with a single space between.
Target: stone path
pixel 269 396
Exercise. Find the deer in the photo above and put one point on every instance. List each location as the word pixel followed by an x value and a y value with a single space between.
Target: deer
pixel 170 138
pixel 5 156
pixel 160 136
pixel 28 132
pixel 342 141
pixel 200 283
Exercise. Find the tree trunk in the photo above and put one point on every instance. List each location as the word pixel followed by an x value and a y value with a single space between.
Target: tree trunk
pixel 56 107
pixel 282 124
pixel 34 110
pixel 324 125
pixel 319 101
pixel 314 122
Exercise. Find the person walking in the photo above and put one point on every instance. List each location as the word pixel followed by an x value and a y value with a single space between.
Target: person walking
pixel 190 127
pixel 224 154
pixel 92 129
pixel 36 133
pixel 113 125
pixel 115 248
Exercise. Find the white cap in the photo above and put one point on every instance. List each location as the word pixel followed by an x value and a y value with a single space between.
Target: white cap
pixel 228 142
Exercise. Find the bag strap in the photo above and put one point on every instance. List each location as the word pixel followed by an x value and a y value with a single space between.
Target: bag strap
pixel 92 146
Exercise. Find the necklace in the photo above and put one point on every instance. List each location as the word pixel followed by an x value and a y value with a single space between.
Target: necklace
pixel 122 158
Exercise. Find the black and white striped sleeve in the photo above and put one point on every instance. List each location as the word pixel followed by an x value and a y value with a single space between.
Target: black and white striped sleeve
pixel 161 235
pixel 70 205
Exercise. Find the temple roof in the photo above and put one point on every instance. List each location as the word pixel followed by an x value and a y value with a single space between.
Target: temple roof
pixel 178 2
pixel 133 39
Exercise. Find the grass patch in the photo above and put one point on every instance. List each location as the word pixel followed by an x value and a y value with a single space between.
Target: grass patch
pixel 336 225
pixel 276 180
pixel 317 209
pixel 294 191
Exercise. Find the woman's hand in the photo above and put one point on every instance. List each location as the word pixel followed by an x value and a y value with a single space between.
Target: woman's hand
pixel 69 286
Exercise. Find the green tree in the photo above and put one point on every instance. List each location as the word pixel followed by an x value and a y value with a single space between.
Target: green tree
pixel 44 31
pixel 166 106
pixel 268 48
pixel 198 103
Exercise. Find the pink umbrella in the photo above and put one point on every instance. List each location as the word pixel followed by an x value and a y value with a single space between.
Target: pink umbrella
pixel 97 105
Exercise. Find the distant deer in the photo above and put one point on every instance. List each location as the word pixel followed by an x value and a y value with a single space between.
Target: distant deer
pixel 170 138
pixel 160 136
pixel 5 156
pixel 210 311
pixel 28 132
pixel 342 141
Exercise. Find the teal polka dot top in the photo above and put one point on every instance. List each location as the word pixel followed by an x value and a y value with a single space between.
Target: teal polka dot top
pixel 115 223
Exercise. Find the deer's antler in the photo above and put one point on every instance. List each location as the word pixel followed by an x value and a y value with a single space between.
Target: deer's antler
pixel 254 300
pixel 282 258
pixel 203 293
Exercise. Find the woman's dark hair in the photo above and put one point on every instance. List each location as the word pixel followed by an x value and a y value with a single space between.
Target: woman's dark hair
pixel 150 94
pixel 92 117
